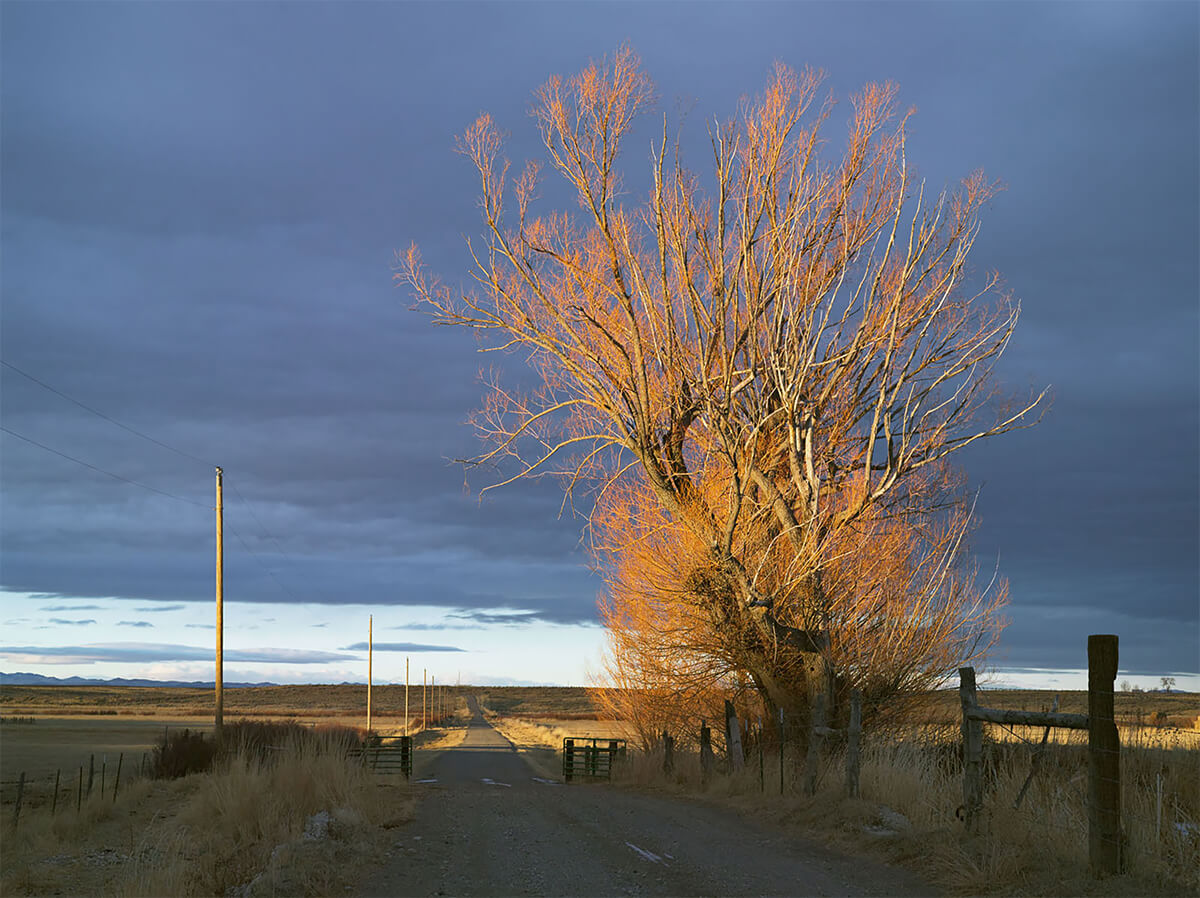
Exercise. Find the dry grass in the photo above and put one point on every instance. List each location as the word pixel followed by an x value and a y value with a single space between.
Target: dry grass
pixel 240 828
pixel 1038 849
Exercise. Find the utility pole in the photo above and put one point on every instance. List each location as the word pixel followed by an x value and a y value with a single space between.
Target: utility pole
pixel 220 678
pixel 424 713
pixel 405 696
pixel 370 652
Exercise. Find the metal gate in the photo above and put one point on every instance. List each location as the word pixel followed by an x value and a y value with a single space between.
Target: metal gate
pixel 592 757
pixel 386 756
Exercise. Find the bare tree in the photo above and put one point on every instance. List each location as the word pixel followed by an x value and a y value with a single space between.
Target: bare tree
pixel 780 352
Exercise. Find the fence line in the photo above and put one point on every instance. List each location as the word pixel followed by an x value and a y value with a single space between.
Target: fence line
pixel 1104 752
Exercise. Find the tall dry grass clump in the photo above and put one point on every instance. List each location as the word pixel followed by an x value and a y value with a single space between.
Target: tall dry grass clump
pixel 280 815
pixel 283 810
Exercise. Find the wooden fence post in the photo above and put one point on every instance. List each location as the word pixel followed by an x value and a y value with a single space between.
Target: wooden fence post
pixel 853 737
pixel 706 752
pixel 733 738
pixel 1104 760
pixel 117 781
pixel 762 761
pixel 20 795
pixel 91 774
pixel 79 795
pixel 815 738
pixel 972 733
pixel 782 742
pixel 54 803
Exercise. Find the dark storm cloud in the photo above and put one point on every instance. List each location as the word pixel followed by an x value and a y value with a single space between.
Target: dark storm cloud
pixel 401 647
pixel 201 206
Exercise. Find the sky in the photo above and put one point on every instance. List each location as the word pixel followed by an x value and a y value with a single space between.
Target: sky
pixel 200 206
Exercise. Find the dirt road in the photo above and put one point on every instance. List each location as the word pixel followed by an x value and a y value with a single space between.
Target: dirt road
pixel 488 825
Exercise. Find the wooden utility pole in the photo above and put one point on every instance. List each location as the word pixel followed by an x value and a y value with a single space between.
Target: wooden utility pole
pixel 433 697
pixel 424 713
pixel 370 655
pixel 220 677
pixel 405 696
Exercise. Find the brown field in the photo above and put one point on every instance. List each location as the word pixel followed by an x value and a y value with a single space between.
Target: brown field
pixel 912 770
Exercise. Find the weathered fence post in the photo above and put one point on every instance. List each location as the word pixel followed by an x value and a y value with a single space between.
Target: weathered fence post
pixel 91 774
pixel 79 795
pixel 733 738
pixel 568 760
pixel 1104 759
pixel 54 803
pixel 853 737
pixel 762 780
pixel 117 781
pixel 972 733
pixel 668 752
pixel 706 751
pixel 782 740
pixel 103 774
pixel 20 795
pixel 815 738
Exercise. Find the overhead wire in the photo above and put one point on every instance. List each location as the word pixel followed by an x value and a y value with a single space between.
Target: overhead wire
pixel 152 489
pixel 101 414
pixel 85 464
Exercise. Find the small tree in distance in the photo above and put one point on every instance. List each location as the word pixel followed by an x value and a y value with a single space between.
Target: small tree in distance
pixel 763 372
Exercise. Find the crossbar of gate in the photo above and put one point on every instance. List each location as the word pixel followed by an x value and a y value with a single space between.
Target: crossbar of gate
pixel 387 756
pixel 591 756
pixel 1104 751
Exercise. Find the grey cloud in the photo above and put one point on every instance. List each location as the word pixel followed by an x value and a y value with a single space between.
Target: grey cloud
pixel 134 623
pixel 264 201
pixel 401 647
pixel 148 652
pixel 72 623
pixel 72 608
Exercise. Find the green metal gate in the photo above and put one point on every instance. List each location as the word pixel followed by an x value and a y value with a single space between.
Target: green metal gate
pixel 591 757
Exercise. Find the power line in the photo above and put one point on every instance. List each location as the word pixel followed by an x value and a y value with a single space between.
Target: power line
pixel 264 530
pixel 287 592
pixel 82 405
pixel 101 470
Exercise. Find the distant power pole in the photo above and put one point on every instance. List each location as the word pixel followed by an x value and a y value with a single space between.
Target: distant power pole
pixel 405 696
pixel 370 652
pixel 424 713
pixel 220 678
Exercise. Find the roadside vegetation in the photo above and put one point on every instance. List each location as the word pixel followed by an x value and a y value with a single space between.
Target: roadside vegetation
pixel 274 809
pixel 911 792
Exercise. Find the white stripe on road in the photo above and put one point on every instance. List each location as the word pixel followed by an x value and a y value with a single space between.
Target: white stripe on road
pixel 648 855
pixel 538 779
pixel 492 782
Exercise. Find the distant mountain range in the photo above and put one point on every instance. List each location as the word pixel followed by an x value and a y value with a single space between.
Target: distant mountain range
pixel 32 679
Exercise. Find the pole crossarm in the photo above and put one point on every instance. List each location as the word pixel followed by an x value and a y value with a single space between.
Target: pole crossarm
pixel 1029 718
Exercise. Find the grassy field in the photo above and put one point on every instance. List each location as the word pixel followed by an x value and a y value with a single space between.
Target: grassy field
pixel 298 820
pixel 912 770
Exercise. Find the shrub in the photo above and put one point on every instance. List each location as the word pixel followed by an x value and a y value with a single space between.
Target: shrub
pixel 179 753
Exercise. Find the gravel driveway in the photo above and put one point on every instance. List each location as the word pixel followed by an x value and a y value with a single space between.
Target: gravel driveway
pixel 487 825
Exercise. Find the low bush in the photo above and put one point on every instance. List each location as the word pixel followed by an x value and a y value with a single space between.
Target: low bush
pixel 182 752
